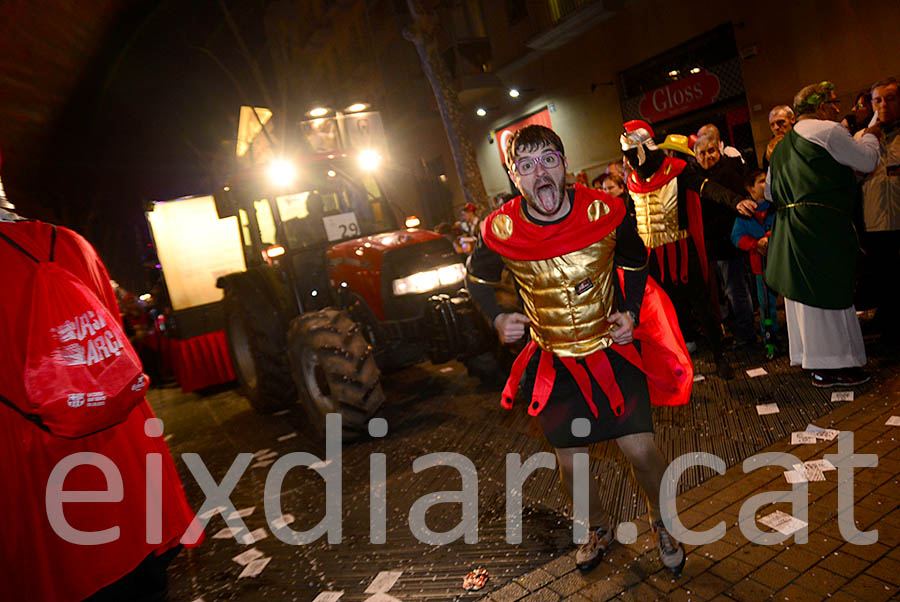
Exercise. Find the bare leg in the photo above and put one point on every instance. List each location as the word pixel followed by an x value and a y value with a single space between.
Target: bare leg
pixel 565 458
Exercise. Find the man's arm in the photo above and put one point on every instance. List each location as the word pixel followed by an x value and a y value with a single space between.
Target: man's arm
pixel 485 268
pixel 713 191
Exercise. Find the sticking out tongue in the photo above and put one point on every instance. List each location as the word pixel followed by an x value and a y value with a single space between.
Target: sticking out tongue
pixel 547 197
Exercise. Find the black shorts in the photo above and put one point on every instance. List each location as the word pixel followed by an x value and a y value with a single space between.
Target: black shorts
pixel 566 403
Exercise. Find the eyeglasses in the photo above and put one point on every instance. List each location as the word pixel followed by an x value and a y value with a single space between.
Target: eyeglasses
pixel 527 165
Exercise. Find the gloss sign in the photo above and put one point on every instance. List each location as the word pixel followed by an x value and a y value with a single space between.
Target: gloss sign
pixel 681 96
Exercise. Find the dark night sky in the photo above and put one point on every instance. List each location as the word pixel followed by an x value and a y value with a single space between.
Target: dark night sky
pixel 144 122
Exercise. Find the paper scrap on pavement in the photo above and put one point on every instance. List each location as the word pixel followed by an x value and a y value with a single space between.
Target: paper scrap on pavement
pixel 842 396
pixel 383 581
pixel 382 597
pixel 893 421
pixel 328 596
pixel 263 464
pixel 268 456
pixel 210 513
pixel 698 378
pixel 243 513
pixel 281 412
pixel 783 522
pixel 792 476
pixel 812 472
pixel 245 558
pixel 226 533
pixel 167 437
pixel 286 437
pixel 447 369
pixel 320 464
pixel 198 600
pixel 820 433
pixel 254 568
pixel 282 521
pixel 803 438
pixel 823 465
pixel 261 452
pixel 767 408
pixel 254 536
pixel 754 372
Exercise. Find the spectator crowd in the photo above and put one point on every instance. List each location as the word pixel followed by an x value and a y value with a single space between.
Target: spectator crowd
pixel 822 238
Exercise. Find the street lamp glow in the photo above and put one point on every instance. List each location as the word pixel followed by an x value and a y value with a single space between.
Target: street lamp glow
pixel 695 70
pixel 369 160
pixel 356 107
pixel 674 73
pixel 332 173
pixel 282 173
pixel 318 112
pixel 513 92
pixel 480 112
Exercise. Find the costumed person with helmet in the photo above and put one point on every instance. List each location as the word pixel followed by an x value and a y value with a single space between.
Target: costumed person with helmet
pixel 126 511
pixel 667 198
pixel 604 339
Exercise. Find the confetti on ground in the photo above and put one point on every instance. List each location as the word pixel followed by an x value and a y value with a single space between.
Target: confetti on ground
pixel 243 513
pixel 767 408
pixel 475 580
pixel 754 372
pixel 803 438
pixel 288 436
pixel 823 465
pixel 328 596
pixel 783 522
pixel 268 456
pixel 698 378
pixel 382 597
pixel 893 421
pixel 263 464
pixel 167 437
pixel 254 536
pixel 210 513
pixel 320 464
pixel 447 369
pixel 245 558
pixel 254 568
pixel 842 396
pixel 281 412
pixel 383 581
pixel 261 452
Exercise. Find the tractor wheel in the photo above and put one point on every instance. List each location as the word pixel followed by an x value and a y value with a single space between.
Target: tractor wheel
pixel 256 343
pixel 334 369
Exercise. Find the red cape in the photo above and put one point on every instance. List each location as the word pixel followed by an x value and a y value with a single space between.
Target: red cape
pixel 531 241
pixel 38 564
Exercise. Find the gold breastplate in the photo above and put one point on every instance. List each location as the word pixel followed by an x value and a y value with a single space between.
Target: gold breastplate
pixel 568 298
pixel 657 215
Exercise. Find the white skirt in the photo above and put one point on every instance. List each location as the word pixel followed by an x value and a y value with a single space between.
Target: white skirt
pixel 823 339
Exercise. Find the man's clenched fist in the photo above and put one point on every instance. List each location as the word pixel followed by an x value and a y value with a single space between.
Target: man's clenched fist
pixel 511 327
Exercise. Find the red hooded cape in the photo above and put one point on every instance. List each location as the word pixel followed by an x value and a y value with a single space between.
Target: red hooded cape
pixel 38 564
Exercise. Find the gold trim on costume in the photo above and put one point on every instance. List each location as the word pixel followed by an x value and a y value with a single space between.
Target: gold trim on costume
pixel 502 226
pixel 635 269
pixel 812 204
pixel 597 209
pixel 703 185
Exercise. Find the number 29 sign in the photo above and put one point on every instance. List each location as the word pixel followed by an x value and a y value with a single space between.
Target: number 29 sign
pixel 339 227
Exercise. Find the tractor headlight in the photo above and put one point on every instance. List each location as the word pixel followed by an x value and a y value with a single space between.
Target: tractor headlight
pixel 429 280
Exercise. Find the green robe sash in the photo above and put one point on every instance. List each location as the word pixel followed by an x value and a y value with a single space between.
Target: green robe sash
pixel 813 246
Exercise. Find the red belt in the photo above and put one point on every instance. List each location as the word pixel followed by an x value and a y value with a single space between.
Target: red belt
pixel 597 363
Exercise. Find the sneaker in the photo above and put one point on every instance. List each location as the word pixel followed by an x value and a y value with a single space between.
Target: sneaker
pixel 589 554
pixel 671 552
pixel 847 377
